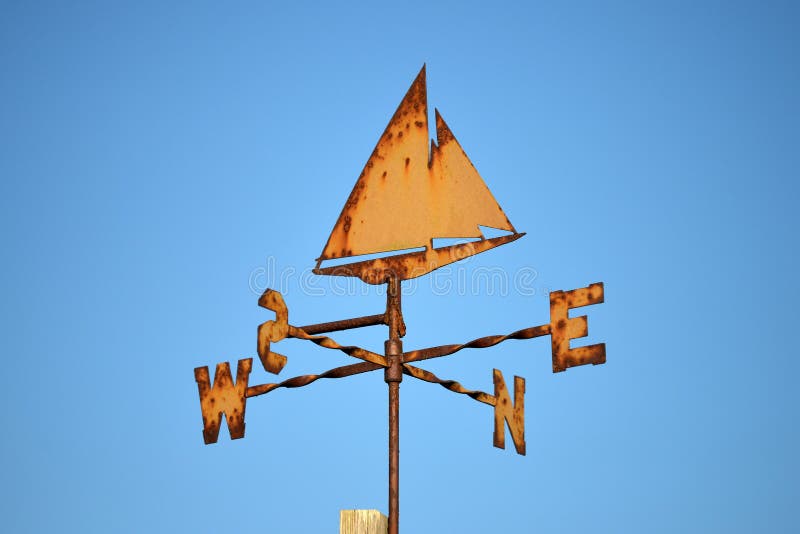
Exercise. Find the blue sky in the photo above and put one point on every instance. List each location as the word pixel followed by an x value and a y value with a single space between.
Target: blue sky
pixel 161 164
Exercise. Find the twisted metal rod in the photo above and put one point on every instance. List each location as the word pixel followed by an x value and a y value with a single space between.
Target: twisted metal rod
pixel 375 361
pixel 480 343
pixel 304 380
pixel 364 367
pixel 452 385
pixel 328 343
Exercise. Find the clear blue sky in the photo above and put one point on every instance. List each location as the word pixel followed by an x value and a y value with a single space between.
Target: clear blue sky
pixel 158 164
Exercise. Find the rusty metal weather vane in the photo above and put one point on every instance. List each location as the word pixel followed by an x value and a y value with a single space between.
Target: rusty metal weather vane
pixel 410 192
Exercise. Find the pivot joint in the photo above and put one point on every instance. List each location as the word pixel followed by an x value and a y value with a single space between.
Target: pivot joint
pixel 394 357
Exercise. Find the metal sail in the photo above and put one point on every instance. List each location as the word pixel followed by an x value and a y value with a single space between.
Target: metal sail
pixel 460 201
pixel 406 196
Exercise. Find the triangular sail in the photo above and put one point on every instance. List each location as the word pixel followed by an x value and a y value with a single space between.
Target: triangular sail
pixel 405 196
pixel 462 199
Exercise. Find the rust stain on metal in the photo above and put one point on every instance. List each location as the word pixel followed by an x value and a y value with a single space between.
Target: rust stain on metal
pixel 328 343
pixel 414 264
pixel 272 331
pixel 304 380
pixel 344 324
pixel 480 343
pixel 452 385
pixel 223 397
pixel 410 192
pixel 505 412
pixel 393 375
pixel 564 328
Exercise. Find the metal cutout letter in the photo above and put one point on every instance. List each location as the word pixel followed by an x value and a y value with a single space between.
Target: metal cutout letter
pixel 273 331
pixel 563 328
pixel 224 396
pixel 504 412
pixel 411 192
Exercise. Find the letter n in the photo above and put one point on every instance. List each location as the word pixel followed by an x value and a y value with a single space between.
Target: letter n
pixel 505 412
pixel 224 397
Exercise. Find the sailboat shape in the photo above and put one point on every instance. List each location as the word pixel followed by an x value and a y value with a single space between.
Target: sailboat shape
pixel 407 195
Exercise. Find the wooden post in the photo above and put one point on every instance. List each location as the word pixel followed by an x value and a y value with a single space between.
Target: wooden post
pixel 362 522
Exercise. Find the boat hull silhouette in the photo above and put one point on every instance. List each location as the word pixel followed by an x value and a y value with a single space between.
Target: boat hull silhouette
pixel 414 264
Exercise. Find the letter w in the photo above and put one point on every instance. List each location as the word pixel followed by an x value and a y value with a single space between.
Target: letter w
pixel 224 396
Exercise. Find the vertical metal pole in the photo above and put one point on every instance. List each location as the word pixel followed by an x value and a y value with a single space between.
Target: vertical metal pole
pixel 393 376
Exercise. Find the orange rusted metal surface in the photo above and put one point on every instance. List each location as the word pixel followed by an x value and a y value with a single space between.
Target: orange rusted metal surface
pixel 480 343
pixel 564 328
pixel 414 264
pixel 344 324
pixel 393 375
pixel 452 385
pixel 410 192
pixel 505 412
pixel 304 380
pixel 272 331
pixel 223 397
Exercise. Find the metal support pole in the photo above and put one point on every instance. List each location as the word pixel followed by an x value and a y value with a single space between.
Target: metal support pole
pixel 393 376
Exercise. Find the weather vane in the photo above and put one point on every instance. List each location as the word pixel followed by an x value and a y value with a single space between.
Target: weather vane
pixel 410 192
